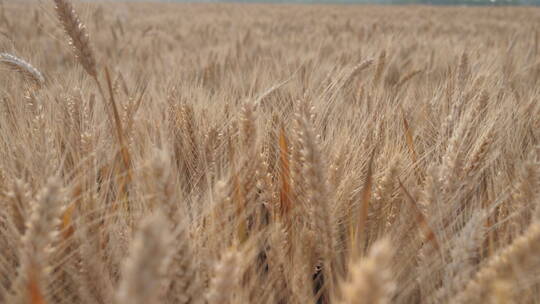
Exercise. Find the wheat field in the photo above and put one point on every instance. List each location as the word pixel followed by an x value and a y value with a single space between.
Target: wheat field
pixel 228 153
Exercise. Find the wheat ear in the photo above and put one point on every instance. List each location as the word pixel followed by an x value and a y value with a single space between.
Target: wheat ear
pixel 39 244
pixel 27 70
pixel 225 278
pixel 520 256
pixel 370 279
pixel 78 35
pixel 182 284
pixel 143 270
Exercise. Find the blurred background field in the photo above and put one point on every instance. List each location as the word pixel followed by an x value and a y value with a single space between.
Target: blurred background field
pixel 406 2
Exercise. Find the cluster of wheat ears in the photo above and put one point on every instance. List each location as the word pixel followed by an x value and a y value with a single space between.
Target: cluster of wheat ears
pixel 269 154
